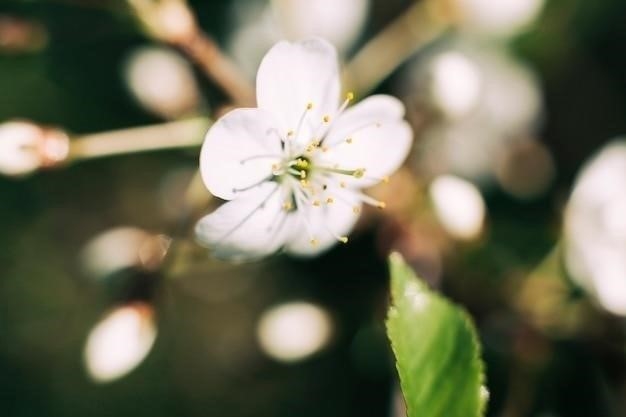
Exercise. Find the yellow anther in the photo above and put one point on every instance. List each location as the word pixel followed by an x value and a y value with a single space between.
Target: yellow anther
pixel 302 163
pixel 275 167
pixel 330 200
pixel 316 203
pixel 358 173
pixel 313 242
pixel 342 184
pixel 304 183
pixel 343 239
pixel 386 180
pixel 309 105
pixel 302 174
pixel 326 118
pixel 287 205
pixel 356 209
pixel 312 146
pixel 290 133
pixel 381 205
pixel 350 96
pixel 349 140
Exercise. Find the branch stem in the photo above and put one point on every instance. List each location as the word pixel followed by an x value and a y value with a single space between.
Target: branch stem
pixel 418 26
pixel 179 134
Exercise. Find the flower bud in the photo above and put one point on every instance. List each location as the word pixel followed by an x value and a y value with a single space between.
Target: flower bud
pixel 166 20
pixel 497 18
pixel 123 247
pixel 162 82
pixel 26 147
pixel 595 228
pixel 120 342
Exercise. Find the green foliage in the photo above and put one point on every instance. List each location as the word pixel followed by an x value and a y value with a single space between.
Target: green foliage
pixel 436 348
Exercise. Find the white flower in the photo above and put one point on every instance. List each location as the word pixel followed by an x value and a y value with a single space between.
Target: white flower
pixel 293 167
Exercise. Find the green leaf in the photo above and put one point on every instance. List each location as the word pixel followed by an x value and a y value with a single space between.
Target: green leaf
pixel 436 348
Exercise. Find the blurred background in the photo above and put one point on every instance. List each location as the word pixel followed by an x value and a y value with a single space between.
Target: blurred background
pixel 513 204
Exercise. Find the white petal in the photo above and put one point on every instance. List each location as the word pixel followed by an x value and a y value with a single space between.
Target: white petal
pixel 250 227
pixel 292 75
pixel 372 136
pixel 239 151
pixel 324 224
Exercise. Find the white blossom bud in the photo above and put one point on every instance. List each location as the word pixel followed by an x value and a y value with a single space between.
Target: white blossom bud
pixel 162 82
pixel 120 342
pixel 497 18
pixel 166 20
pixel 26 147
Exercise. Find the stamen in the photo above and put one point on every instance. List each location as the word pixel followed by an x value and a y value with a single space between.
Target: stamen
pixel 300 200
pixel 238 190
pixel 326 118
pixel 349 140
pixel 287 205
pixel 329 200
pixel 316 203
pixel 251 158
pixel 356 173
pixel 371 201
pixel 355 132
pixel 309 106
pixel 260 206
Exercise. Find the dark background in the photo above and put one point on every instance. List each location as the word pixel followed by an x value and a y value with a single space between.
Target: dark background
pixel 205 361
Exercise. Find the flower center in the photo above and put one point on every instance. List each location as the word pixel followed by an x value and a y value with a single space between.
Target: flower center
pixel 301 168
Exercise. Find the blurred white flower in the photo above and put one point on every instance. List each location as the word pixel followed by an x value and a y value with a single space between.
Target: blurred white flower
pixel 120 342
pixel 595 228
pixel 498 18
pixel 487 99
pixel 459 206
pixel 26 147
pixel 260 25
pixel 123 247
pixel 294 166
pixel 167 20
pixel 456 84
pixel 340 22
pixel 162 82
pixel 294 331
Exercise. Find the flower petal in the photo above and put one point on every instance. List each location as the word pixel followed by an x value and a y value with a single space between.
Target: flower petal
pixel 291 76
pixel 239 151
pixel 250 227
pixel 371 136
pixel 323 224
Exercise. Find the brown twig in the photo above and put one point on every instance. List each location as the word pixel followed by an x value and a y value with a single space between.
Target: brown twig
pixel 173 22
pixel 207 55
pixel 179 134
pixel 418 26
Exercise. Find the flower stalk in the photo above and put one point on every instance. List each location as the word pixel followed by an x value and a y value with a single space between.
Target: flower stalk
pixel 173 22
pixel 418 26
pixel 179 134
